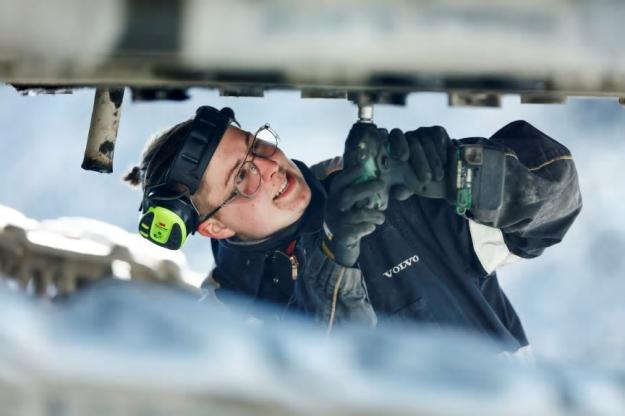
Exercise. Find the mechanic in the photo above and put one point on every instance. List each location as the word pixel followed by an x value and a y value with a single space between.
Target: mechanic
pixel 300 238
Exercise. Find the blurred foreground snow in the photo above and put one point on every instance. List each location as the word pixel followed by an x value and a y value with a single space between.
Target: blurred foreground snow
pixel 133 348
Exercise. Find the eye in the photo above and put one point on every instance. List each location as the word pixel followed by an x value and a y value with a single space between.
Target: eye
pixel 240 176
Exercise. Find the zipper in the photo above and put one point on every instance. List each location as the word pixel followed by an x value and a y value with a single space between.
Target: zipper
pixel 290 251
pixel 294 266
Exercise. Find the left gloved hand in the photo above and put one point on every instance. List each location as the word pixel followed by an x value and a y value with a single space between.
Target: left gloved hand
pixel 345 221
pixel 425 150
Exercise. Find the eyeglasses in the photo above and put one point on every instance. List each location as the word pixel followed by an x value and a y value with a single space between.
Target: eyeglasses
pixel 247 179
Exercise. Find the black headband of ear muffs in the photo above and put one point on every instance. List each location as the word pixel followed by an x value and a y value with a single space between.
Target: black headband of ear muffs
pixel 189 165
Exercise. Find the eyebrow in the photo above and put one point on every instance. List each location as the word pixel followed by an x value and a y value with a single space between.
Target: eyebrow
pixel 239 161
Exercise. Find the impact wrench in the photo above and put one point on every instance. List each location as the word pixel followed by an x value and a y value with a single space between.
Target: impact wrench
pixel 474 175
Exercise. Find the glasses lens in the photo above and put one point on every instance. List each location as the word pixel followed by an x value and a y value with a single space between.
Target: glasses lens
pixel 266 142
pixel 247 181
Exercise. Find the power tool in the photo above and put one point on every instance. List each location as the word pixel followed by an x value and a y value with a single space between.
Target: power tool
pixel 474 175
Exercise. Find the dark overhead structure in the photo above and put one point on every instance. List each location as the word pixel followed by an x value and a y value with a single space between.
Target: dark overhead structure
pixel 474 50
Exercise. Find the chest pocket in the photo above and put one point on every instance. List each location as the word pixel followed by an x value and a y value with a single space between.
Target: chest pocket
pixel 385 255
pixel 396 276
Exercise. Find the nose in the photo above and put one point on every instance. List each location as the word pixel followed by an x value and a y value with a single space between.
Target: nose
pixel 267 168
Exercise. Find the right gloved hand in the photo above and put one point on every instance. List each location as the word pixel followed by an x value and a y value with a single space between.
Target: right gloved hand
pixel 425 150
pixel 345 221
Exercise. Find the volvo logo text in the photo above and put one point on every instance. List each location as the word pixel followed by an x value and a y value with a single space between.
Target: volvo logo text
pixel 401 266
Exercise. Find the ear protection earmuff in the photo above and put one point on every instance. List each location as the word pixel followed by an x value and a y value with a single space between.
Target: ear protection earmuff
pixel 168 215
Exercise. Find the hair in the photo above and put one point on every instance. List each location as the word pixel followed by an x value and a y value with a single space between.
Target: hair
pixel 158 155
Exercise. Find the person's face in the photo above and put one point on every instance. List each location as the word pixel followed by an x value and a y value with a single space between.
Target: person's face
pixel 266 211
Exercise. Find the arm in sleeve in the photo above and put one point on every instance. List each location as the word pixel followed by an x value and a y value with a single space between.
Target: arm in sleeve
pixel 541 197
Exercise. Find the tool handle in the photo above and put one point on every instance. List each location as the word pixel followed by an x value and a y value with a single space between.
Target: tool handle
pixel 366 148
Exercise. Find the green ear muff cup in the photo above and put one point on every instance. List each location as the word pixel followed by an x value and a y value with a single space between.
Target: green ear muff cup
pixel 165 225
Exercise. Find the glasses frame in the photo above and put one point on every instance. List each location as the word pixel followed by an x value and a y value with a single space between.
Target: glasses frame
pixel 235 192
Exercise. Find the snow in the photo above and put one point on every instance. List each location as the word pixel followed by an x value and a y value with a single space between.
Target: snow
pixel 12 217
pixel 54 240
pixel 97 238
pixel 118 337
pixel 108 234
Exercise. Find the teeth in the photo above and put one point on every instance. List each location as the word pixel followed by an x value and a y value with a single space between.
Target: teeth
pixel 282 188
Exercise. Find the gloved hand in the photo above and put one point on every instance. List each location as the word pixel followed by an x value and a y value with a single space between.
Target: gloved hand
pixel 425 150
pixel 345 221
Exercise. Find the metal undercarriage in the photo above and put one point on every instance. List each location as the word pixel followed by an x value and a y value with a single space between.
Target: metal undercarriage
pixel 477 49
pixel 363 50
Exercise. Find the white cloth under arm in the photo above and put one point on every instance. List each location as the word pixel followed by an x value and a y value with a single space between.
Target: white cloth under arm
pixel 490 247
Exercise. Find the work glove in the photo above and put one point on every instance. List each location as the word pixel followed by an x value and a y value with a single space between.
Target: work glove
pixel 425 150
pixel 346 222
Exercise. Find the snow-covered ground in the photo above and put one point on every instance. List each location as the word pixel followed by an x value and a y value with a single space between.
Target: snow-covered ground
pixel 570 299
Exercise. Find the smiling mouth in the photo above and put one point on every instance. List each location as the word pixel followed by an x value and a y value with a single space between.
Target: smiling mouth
pixel 285 186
